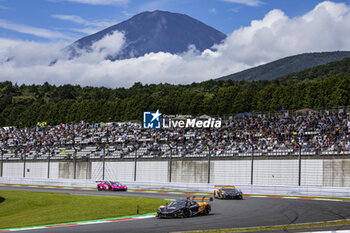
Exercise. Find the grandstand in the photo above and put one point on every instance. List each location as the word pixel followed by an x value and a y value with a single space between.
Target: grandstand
pixel 309 133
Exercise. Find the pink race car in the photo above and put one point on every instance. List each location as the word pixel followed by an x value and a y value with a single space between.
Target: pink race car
pixel 111 185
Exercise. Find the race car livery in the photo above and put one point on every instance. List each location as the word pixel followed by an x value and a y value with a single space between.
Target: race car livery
pixel 111 185
pixel 185 208
pixel 227 192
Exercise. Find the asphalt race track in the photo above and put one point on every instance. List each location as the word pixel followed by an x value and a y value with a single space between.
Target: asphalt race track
pixel 249 212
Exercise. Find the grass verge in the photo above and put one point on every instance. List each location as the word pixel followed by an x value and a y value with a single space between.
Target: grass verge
pixel 279 227
pixel 306 197
pixel 24 208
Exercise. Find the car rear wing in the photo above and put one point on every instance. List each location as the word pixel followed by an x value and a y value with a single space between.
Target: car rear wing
pixel 225 186
pixel 202 199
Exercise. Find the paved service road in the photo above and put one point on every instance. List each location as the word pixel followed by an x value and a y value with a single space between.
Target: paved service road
pixel 249 212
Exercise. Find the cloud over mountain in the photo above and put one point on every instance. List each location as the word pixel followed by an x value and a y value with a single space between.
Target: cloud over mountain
pixel 325 28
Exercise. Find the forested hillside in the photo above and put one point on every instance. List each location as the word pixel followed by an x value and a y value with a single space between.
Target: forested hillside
pixel 325 86
pixel 287 65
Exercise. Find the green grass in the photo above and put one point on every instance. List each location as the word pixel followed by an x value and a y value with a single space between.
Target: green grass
pixel 22 208
pixel 326 198
pixel 279 227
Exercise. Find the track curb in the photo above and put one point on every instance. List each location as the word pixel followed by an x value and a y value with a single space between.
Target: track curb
pixel 80 223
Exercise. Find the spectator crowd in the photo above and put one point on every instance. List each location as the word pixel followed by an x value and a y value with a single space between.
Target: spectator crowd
pixel 313 131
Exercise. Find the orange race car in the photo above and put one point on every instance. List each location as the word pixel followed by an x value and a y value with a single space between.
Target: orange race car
pixel 185 208
pixel 227 192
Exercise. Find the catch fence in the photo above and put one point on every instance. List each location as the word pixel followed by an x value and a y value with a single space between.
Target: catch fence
pixel 297 166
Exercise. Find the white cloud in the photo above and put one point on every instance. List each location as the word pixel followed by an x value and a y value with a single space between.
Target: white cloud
pixel 325 28
pixel 101 2
pixel 246 2
pixel 109 45
pixel 39 32
pixel 155 5
pixel 79 20
pixel 91 26
pixel 85 30
pixel 212 10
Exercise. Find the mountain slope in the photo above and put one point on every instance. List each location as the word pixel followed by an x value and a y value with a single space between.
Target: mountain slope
pixel 288 65
pixel 154 32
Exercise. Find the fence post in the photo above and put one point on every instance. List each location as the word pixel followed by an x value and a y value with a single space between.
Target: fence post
pixel 87 167
pixel 75 163
pixel 103 163
pixel 209 165
pixel 252 167
pixel 2 162
pixel 170 163
pixel 135 161
pixel 299 175
pixel 48 164
pixel 24 165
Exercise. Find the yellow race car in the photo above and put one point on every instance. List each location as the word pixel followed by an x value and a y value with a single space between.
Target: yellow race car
pixel 227 192
pixel 185 208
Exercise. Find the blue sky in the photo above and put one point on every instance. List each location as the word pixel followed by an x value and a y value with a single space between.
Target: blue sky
pixel 50 20
pixel 33 33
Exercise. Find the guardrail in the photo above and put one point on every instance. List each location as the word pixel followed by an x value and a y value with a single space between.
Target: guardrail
pixel 195 187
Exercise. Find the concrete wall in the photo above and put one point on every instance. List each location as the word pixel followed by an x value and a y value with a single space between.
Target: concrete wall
pixel 13 170
pixel 336 173
pixel 156 171
pixel 314 172
pixel 96 170
pixel 190 171
pixel 66 170
pixel 275 172
pixel 230 172
pixel 113 171
pixel 120 171
pixel 54 170
pixel 311 172
pixel 36 170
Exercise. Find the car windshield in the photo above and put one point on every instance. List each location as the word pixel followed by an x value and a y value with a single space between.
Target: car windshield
pixel 177 204
pixel 115 183
pixel 229 190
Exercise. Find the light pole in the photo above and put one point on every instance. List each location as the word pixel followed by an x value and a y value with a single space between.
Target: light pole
pixel 170 160
pixel 252 165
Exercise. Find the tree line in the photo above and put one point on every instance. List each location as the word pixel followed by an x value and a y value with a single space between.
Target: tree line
pixel 326 86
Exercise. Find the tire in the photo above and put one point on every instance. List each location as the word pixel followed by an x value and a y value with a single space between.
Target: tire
pixel 207 210
pixel 99 188
pixel 186 213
